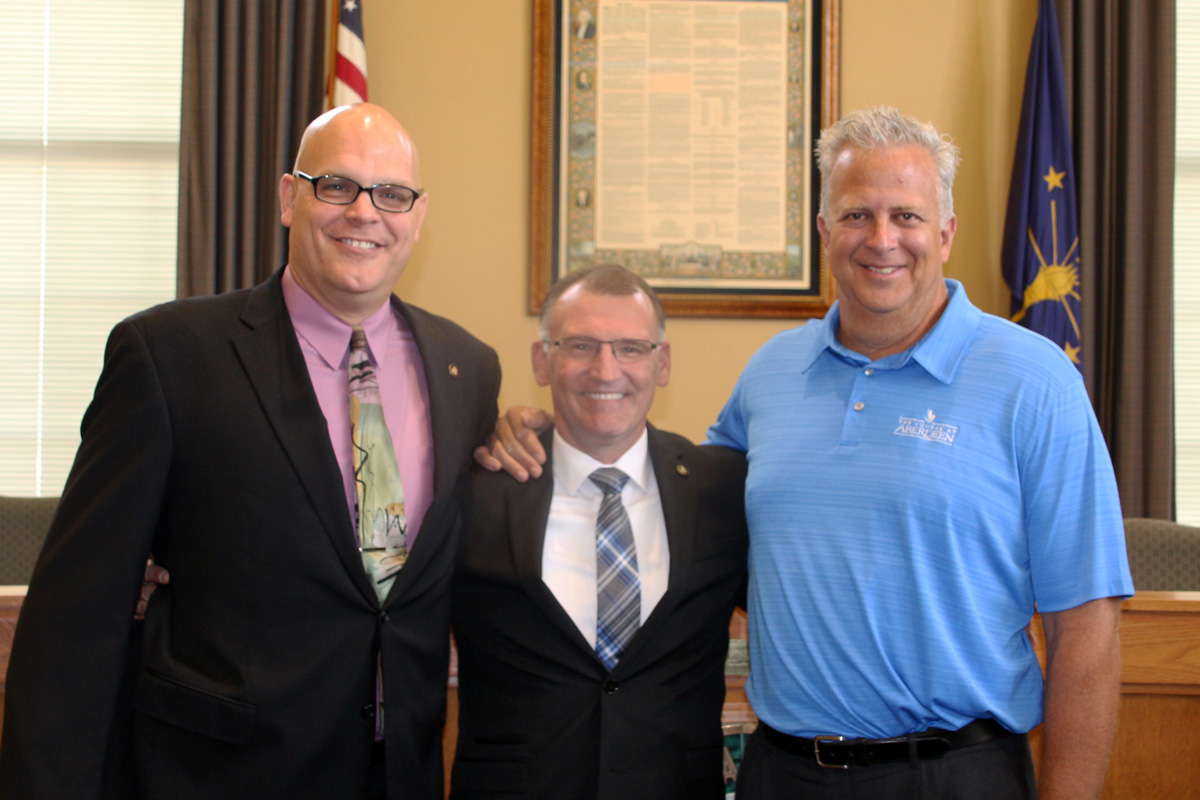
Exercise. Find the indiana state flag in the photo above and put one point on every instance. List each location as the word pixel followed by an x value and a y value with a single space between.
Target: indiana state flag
pixel 1041 235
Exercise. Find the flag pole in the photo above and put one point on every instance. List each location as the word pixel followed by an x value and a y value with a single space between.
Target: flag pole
pixel 334 23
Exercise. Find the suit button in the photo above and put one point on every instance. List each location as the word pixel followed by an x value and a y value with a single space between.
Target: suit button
pixel 383 617
pixel 611 687
pixel 368 711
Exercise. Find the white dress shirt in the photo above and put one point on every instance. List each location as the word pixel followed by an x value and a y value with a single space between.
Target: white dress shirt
pixel 569 549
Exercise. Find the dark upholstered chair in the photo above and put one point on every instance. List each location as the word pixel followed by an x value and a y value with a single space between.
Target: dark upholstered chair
pixel 23 525
pixel 1164 556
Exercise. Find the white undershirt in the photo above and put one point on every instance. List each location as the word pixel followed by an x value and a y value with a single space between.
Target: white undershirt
pixel 569 550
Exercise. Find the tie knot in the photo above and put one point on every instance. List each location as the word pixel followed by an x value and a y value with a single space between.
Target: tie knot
pixel 610 479
pixel 363 381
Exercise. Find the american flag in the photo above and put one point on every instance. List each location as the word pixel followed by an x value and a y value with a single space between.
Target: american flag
pixel 348 77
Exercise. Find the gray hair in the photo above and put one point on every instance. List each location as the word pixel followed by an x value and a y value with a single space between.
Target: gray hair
pixel 606 279
pixel 881 127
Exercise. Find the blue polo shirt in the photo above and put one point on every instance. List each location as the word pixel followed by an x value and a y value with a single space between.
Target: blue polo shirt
pixel 905 516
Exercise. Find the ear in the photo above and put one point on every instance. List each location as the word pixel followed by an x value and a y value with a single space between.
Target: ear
pixel 287 198
pixel 823 230
pixel 419 209
pixel 541 362
pixel 948 237
pixel 664 364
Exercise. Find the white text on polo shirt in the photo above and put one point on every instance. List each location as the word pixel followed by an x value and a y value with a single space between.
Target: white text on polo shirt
pixel 927 429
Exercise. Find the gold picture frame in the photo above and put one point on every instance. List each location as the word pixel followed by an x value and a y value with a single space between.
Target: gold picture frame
pixel 656 90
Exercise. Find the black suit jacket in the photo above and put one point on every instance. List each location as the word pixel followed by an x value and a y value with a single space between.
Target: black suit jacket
pixel 539 715
pixel 205 445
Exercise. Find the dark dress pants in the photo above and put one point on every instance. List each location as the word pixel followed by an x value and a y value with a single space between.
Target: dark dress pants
pixel 998 770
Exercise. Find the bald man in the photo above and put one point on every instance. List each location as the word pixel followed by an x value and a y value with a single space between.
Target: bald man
pixel 219 439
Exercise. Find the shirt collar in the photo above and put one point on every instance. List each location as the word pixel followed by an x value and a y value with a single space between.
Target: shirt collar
pixel 940 351
pixel 327 334
pixel 573 466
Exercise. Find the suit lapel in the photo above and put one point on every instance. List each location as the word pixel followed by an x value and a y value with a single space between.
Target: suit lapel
pixel 275 368
pixel 677 494
pixel 445 400
pixel 528 509
pixel 448 434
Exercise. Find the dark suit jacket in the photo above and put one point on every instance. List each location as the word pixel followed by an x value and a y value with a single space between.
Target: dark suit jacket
pixel 205 445
pixel 539 715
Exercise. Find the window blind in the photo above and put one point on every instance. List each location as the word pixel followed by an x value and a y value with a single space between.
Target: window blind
pixel 89 142
pixel 1187 259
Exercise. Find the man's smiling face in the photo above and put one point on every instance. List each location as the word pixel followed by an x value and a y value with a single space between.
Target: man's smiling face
pixel 350 257
pixel 600 404
pixel 886 244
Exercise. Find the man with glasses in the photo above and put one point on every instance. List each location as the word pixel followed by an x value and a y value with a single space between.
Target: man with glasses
pixel 921 476
pixel 300 649
pixel 591 606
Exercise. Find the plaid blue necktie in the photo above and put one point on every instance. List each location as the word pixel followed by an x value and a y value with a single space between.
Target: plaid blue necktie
pixel 618 590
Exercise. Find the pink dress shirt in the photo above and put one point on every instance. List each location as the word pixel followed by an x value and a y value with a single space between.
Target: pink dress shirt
pixel 325 342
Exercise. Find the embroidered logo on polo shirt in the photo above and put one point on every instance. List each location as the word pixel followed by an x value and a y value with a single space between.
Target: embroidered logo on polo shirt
pixel 927 429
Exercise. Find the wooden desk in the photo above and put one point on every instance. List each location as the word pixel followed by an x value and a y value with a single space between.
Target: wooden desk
pixel 1157 752
pixel 1157 749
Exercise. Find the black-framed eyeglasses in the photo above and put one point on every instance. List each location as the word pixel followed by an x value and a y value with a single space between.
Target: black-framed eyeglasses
pixel 389 197
pixel 585 348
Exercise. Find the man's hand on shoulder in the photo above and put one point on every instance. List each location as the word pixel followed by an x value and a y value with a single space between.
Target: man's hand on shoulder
pixel 514 446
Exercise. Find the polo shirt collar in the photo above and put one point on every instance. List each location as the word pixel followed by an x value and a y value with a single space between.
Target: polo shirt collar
pixel 939 352
pixel 825 339
pixel 945 346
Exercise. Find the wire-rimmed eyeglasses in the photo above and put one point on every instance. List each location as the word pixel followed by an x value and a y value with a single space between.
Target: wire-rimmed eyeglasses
pixel 585 348
pixel 389 197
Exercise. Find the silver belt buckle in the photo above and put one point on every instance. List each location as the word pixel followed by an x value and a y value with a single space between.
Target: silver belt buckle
pixel 817 750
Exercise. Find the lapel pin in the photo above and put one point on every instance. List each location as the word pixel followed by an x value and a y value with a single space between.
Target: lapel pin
pixel 454 370
pixel 682 470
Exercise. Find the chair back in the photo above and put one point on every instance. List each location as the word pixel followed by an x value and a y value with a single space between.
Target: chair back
pixel 24 522
pixel 1164 556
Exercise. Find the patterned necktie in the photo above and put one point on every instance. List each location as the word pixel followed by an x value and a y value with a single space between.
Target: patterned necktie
pixel 382 527
pixel 618 589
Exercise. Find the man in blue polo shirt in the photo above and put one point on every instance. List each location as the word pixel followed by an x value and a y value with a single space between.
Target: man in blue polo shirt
pixel 921 476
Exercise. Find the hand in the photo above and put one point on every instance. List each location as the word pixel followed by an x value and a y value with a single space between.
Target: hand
pixel 151 578
pixel 514 446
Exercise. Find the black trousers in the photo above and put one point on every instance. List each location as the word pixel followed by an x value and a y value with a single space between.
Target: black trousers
pixel 998 770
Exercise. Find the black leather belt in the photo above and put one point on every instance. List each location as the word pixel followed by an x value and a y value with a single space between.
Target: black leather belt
pixel 839 752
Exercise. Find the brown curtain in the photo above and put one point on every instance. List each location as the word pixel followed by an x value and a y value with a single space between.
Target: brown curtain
pixel 1119 61
pixel 253 77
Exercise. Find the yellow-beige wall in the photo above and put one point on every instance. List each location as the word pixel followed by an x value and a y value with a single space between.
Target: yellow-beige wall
pixel 457 73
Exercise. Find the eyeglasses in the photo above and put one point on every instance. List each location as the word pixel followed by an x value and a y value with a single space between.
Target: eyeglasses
pixel 585 348
pixel 342 192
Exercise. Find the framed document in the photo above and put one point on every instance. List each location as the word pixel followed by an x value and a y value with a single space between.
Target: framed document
pixel 675 137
